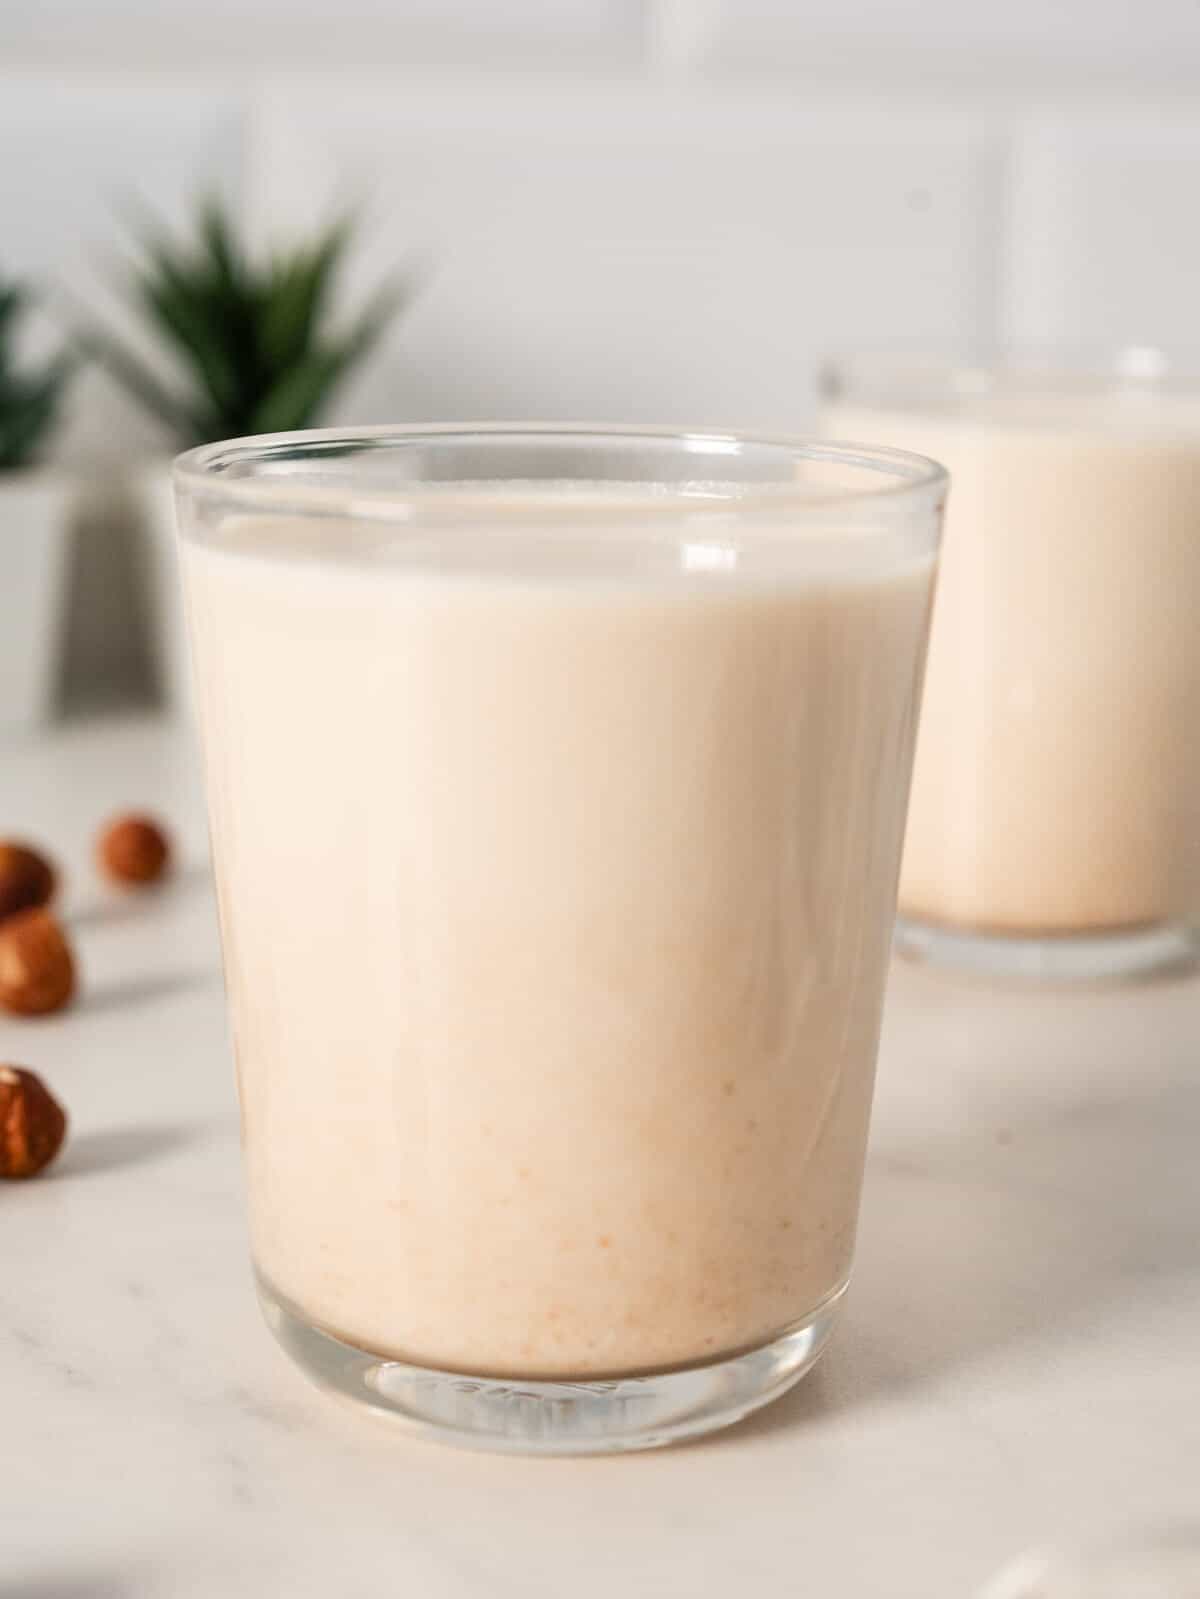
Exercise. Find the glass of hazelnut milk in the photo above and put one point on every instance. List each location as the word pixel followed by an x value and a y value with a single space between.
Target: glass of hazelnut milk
pixel 557 782
pixel 1055 820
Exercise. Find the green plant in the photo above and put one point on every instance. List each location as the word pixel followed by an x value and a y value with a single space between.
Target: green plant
pixel 252 341
pixel 30 397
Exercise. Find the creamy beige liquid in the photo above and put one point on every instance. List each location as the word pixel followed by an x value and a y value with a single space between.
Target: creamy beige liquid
pixel 555 918
pixel 1057 781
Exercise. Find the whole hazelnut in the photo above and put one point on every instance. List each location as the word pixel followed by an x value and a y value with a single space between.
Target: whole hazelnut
pixel 37 970
pixel 26 878
pixel 32 1123
pixel 133 849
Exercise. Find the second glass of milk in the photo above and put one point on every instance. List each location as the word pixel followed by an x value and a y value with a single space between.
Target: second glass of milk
pixel 557 783
pixel 1055 819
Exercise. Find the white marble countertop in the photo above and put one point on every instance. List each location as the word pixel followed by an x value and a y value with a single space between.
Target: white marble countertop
pixel 1017 1364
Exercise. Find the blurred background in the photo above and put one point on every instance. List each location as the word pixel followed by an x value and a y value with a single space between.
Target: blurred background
pixel 655 210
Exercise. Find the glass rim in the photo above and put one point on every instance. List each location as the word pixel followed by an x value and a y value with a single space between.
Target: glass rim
pixel 204 472
pixel 1050 368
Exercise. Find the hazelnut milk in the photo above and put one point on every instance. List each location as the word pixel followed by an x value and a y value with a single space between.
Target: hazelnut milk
pixel 555 915
pixel 1057 779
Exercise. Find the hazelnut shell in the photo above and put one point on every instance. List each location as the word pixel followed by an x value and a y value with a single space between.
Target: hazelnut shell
pixel 27 878
pixel 37 969
pixel 32 1123
pixel 133 850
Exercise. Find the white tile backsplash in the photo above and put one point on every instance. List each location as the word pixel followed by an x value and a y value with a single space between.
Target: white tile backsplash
pixel 261 34
pixel 631 253
pixel 1103 243
pixel 78 152
pixel 1022 44
pixel 75 151
pixel 643 234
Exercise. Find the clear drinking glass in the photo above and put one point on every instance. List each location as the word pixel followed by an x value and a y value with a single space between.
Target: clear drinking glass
pixel 1055 820
pixel 557 781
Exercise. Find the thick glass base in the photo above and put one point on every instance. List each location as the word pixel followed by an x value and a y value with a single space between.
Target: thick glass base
pixel 1101 957
pixel 593 1416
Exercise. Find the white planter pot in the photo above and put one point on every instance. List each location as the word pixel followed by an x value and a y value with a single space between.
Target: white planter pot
pixel 35 533
pixel 158 559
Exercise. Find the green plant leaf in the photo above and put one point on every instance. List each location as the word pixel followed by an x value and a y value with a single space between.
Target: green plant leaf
pixel 190 324
pixel 297 396
pixel 30 398
pixel 250 339
pixel 13 300
pixel 217 237
pixel 298 294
